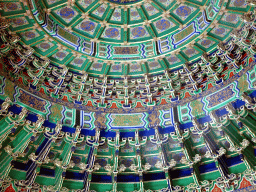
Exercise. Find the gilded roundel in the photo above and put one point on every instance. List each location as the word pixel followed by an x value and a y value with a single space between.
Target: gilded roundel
pixel 190 51
pixel 112 32
pixel 135 67
pixel 134 13
pixel 172 59
pixel 67 13
pixel 150 8
pixel 138 32
pixel 11 6
pixel 101 9
pixel 162 1
pixel 87 1
pixel 87 26
pixel 183 11
pixel 162 24
pixel 78 61
pixel 231 17
pixel 206 42
pixel 30 34
pixel 239 3
pixel 45 45
pixel 116 67
pixel 61 54
pixel 18 21
pixel 153 65
pixel 220 31
pixel 117 14
pixel 97 65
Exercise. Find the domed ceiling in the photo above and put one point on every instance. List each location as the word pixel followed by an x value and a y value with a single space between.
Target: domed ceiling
pixel 127 95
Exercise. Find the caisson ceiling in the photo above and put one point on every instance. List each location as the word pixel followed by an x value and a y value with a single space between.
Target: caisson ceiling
pixel 127 95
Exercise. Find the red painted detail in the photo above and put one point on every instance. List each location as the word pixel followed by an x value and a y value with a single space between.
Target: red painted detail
pixel 41 90
pixel 245 183
pixel 9 189
pixel 250 60
pixel 163 101
pixel 20 80
pixel 2 46
pixel 113 105
pixel 89 103
pixel 139 105
pixel 65 98
pixel 216 189
pixel 47 83
pixel 122 102
pixel 210 86
pixel 187 95
pixel 25 73
pixel 231 74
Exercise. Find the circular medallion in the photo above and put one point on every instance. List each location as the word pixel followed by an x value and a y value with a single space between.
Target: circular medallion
pixel 87 26
pixel 61 54
pixel 134 13
pixel 112 32
pixel 116 67
pixel 190 51
pixel 162 1
pixel 101 9
pixel 67 13
pixel 116 14
pixel 220 31
pixel 172 59
pixel 153 64
pixel 18 21
pixel 239 3
pixel 30 34
pixel 231 17
pixel 138 32
pixel 135 67
pixel 45 45
pixel 183 11
pixel 87 2
pixel 162 24
pixel 78 61
pixel 206 42
pixel 97 65
pixel 150 8
pixel 11 6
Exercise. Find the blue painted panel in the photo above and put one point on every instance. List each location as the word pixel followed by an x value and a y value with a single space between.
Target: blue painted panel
pixel 207 168
pixel 128 178
pixel 101 178
pixel 153 176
